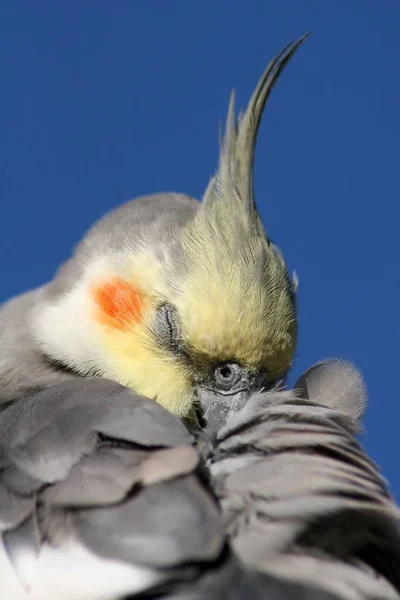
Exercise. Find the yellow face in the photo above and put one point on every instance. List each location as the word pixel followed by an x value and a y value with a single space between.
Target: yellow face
pixel 219 320
pixel 122 306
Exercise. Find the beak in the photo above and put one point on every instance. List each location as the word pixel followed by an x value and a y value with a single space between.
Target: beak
pixel 214 405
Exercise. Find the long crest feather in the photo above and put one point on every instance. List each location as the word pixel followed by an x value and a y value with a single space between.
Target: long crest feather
pixel 235 171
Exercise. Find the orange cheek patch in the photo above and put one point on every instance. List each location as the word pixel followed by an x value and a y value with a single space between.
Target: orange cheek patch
pixel 119 303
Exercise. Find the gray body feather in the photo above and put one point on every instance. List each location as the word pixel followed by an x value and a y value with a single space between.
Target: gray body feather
pixel 91 471
pixel 101 499
pixel 299 496
pixel 24 368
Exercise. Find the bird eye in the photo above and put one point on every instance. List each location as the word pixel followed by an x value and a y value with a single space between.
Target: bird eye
pixel 167 324
pixel 227 375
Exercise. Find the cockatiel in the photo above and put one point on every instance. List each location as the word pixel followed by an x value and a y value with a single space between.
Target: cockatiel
pixel 189 304
pixel 105 495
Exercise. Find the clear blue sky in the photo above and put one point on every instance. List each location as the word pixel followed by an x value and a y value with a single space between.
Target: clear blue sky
pixel 102 101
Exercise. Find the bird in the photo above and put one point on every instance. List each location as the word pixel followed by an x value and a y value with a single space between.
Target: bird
pixel 106 495
pixel 187 303
pixel 148 444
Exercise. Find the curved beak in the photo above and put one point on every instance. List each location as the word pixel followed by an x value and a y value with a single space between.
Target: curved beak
pixel 214 405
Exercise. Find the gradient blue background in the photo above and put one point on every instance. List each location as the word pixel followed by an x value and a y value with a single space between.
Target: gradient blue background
pixel 102 101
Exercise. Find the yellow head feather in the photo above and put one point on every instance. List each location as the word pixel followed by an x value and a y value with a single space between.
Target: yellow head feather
pixel 227 281
pixel 237 300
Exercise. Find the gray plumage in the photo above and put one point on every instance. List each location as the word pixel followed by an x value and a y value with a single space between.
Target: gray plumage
pixel 101 498
pixel 337 384
pixel 299 496
pixel 89 468
pixel 231 581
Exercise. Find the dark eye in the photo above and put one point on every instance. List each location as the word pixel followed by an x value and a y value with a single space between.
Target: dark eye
pixel 167 325
pixel 227 375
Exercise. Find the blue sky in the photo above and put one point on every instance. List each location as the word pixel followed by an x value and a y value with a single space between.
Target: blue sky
pixel 103 101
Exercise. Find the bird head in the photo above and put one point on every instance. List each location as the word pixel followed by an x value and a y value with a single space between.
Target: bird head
pixel 187 303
